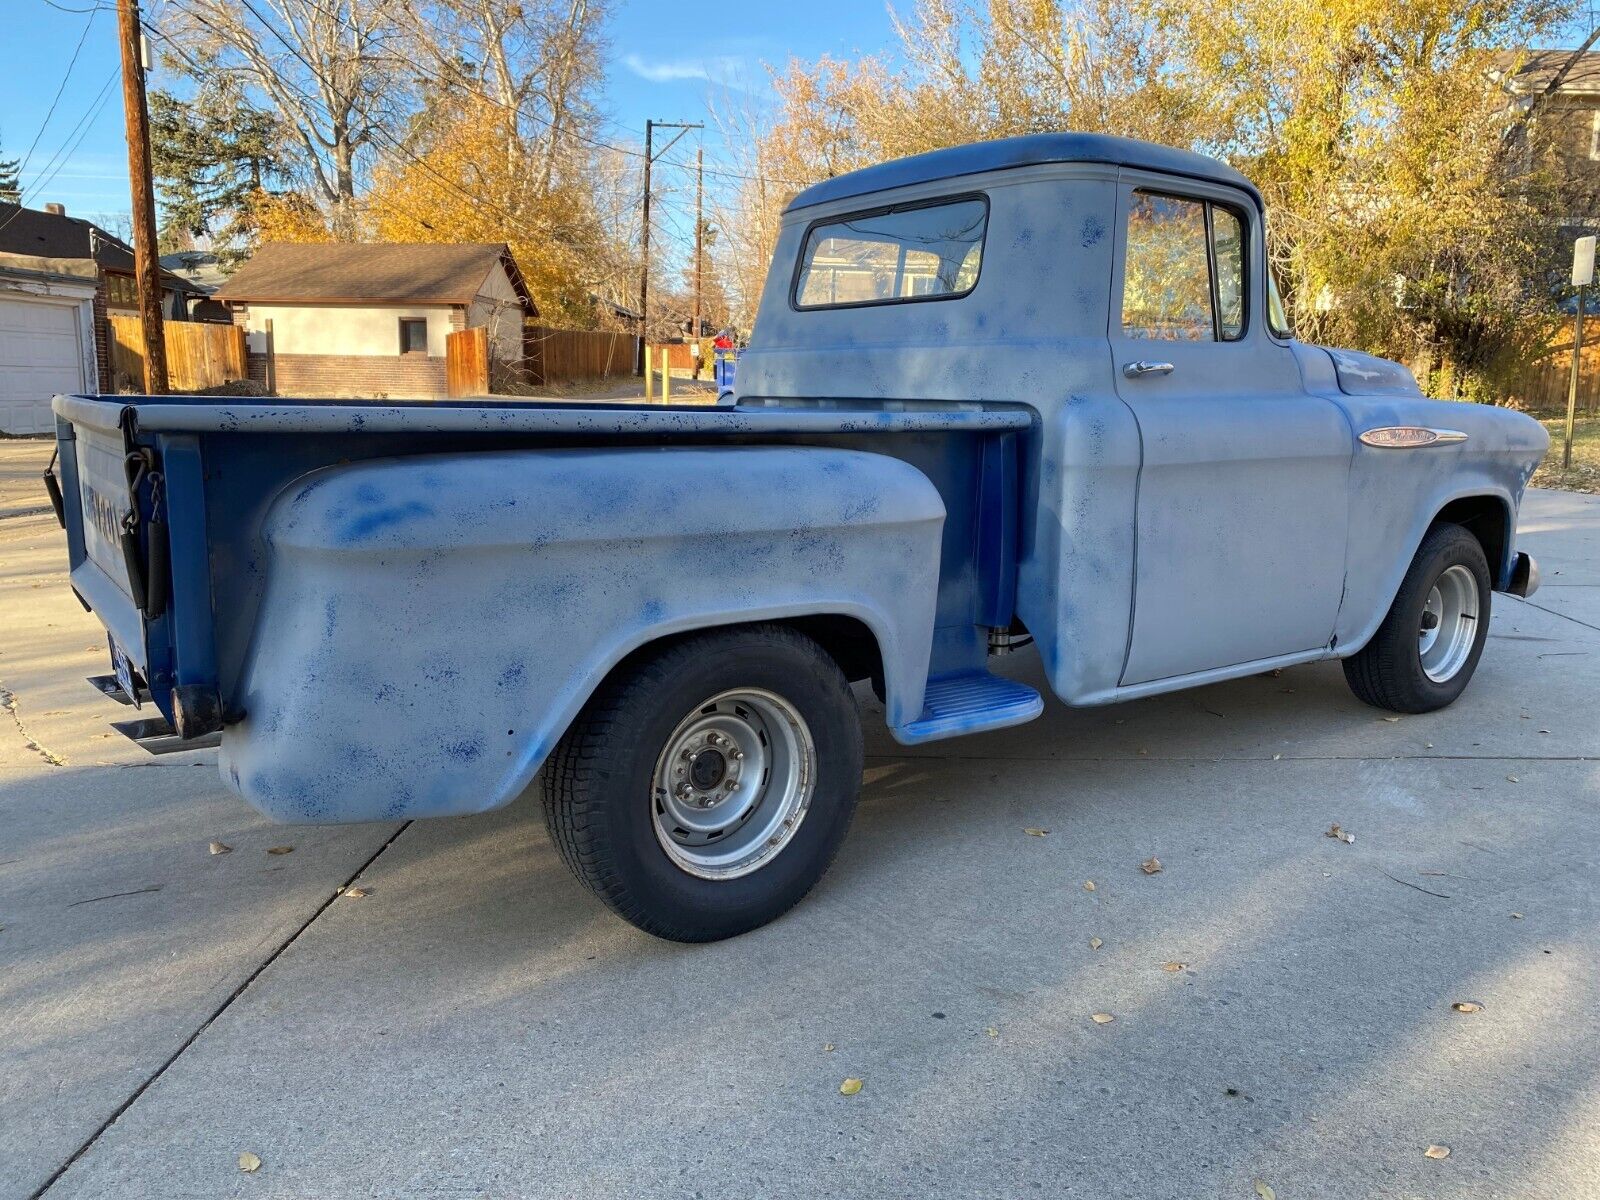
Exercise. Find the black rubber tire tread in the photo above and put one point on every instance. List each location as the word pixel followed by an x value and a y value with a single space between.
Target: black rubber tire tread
pixel 1387 672
pixel 589 778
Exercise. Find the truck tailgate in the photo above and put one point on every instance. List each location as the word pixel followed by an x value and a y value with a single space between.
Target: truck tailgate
pixel 94 470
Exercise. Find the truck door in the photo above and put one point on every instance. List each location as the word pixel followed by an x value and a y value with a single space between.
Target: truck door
pixel 1242 505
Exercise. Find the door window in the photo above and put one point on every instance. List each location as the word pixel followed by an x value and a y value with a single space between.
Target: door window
pixel 1183 270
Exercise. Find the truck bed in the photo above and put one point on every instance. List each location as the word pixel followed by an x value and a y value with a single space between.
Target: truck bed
pixel 215 467
pixel 168 414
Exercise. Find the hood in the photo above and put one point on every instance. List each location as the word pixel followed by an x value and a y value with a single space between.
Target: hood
pixel 1368 375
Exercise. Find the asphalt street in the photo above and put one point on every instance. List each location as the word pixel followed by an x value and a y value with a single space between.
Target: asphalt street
pixel 475 1025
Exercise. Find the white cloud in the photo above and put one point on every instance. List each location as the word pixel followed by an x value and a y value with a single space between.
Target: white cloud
pixel 724 70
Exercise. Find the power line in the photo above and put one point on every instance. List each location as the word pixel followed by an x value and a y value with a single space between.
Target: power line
pixel 51 112
pixel 68 147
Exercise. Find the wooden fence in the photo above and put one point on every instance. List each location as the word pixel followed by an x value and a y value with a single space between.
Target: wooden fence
pixel 466 362
pixel 200 354
pixel 563 355
pixel 1543 390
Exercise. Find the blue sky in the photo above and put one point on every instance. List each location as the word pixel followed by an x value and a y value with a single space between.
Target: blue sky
pixel 663 64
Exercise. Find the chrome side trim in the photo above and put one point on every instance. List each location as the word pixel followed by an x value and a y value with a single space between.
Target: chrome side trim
pixel 1410 437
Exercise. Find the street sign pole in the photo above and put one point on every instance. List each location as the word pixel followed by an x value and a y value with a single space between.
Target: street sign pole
pixel 1582 277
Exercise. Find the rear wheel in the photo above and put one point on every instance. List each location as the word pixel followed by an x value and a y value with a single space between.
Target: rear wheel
pixel 704 790
pixel 1428 646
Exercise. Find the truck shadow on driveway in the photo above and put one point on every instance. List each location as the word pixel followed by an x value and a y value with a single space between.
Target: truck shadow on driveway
pixel 478 996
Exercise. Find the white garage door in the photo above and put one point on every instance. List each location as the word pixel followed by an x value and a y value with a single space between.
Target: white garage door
pixel 39 356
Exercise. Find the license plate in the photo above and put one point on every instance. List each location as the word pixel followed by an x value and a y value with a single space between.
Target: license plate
pixel 124 670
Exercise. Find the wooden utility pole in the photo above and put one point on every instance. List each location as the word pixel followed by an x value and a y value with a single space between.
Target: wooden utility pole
pixel 146 263
pixel 650 157
pixel 699 233
pixel 642 364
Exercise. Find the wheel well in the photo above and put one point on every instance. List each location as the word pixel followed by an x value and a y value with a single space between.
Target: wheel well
pixel 1484 517
pixel 849 642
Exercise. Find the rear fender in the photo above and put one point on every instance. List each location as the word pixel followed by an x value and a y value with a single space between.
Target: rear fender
pixel 431 626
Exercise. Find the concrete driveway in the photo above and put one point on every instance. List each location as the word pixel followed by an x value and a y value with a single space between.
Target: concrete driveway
pixel 477 1026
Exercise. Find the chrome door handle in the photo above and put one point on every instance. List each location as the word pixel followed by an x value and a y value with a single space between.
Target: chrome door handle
pixel 1137 370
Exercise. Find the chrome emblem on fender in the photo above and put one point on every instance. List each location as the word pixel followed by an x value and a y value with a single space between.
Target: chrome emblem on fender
pixel 1409 437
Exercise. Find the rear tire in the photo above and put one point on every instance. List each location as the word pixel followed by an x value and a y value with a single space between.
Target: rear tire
pixel 1427 648
pixel 706 788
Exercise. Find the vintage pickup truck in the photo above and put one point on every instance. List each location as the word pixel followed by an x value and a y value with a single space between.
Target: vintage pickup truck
pixel 1039 388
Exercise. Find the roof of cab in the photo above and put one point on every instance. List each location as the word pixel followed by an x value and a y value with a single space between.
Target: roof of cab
pixel 1025 151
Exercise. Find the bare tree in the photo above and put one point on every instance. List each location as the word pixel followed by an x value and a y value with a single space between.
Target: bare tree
pixel 326 66
pixel 539 63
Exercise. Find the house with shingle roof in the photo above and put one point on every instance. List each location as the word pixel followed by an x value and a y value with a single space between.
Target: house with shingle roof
pixel 1556 93
pixel 61 280
pixel 371 319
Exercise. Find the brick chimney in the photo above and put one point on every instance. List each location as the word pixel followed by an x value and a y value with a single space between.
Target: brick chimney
pixel 56 210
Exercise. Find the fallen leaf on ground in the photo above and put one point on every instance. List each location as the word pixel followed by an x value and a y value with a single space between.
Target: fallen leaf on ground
pixel 1516 916
pixel 992 1031
pixel 1173 966
pixel 356 893
pixel 1467 1006
pixel 220 848
pixel 1265 1191
pixel 828 1047
pixel 249 1162
pixel 1089 886
pixel 849 1087
pixel 1338 834
pixel 1101 1018
pixel 281 850
pixel 1035 832
pixel 1436 1152
pixel 1095 943
pixel 1512 779
pixel 1151 866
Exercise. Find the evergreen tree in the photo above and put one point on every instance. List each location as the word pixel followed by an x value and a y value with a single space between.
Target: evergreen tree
pixel 10 180
pixel 213 155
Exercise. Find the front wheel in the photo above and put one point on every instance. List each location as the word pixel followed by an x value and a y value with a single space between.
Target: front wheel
pixel 1428 646
pixel 706 788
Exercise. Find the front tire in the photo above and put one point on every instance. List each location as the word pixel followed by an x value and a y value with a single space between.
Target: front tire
pixel 706 788
pixel 1428 646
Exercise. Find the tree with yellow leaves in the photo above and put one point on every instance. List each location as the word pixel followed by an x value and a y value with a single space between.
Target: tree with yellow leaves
pixel 1398 222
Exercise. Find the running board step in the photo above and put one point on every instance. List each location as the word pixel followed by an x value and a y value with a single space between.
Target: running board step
pixel 157 735
pixel 969 702
pixel 108 686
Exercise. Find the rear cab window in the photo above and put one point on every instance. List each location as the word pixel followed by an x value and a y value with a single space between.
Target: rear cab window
pixel 1184 270
pixel 930 251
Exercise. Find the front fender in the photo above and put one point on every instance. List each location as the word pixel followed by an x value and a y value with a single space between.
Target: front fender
pixel 1395 494
pixel 430 626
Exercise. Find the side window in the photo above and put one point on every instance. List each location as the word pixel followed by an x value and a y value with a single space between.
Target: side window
pixel 1227 251
pixel 1184 270
pixel 926 252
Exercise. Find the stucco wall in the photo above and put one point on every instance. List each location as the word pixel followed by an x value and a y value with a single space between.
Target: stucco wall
pixel 342 329
pixel 498 307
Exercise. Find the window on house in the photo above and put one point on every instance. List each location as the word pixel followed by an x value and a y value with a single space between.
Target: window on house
pixel 121 292
pixel 1183 275
pixel 413 335
pixel 923 252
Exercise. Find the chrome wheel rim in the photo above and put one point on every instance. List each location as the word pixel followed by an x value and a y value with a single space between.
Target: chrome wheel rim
pixel 1449 624
pixel 733 783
